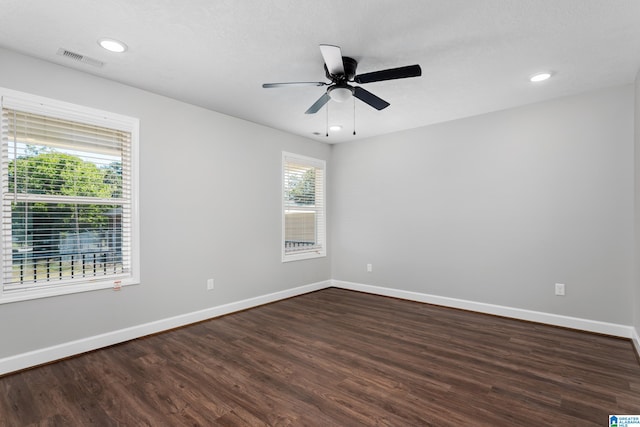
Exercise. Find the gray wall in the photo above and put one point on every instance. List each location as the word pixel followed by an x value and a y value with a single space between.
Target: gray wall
pixel 636 293
pixel 497 208
pixel 210 207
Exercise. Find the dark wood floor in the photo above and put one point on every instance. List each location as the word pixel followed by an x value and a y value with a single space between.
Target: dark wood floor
pixel 337 358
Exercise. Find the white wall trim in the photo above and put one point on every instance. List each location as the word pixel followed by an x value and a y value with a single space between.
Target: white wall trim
pixel 61 351
pixel 57 352
pixel 498 310
pixel 636 340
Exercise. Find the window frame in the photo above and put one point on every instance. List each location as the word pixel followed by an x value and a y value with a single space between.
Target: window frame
pixel 321 212
pixel 73 112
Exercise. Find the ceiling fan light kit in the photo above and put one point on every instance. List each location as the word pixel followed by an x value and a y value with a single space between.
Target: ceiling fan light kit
pixel 340 93
pixel 341 70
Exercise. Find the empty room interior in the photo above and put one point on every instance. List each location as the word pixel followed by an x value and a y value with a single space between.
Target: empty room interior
pixel 282 212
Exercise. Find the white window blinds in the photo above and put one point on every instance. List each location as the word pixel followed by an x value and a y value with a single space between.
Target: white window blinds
pixel 66 198
pixel 304 218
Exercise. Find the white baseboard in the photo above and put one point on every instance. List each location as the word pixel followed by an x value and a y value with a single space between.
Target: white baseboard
pixel 61 351
pixel 57 352
pixel 636 340
pixel 498 310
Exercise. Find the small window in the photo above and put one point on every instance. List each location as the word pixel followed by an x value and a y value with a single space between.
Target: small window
pixel 68 198
pixel 303 212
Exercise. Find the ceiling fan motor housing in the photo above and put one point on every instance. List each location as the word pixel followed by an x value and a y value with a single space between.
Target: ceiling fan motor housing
pixel 350 66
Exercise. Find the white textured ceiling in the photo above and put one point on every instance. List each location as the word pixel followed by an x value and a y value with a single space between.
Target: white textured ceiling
pixel 476 55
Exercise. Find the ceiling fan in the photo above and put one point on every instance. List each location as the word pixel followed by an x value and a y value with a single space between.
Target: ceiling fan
pixel 341 70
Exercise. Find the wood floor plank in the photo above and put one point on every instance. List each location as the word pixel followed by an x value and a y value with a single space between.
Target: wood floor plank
pixel 337 358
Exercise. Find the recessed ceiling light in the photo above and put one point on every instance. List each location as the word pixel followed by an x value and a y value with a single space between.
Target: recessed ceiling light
pixel 112 45
pixel 540 77
pixel 335 128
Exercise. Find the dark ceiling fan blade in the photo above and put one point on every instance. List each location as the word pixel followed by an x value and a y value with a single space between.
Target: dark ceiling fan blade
pixel 390 74
pixel 369 98
pixel 293 84
pixel 332 58
pixel 318 104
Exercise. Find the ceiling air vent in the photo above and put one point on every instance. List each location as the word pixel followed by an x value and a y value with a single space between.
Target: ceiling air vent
pixel 79 58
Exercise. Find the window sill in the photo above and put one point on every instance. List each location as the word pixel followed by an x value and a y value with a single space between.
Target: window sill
pixel 303 256
pixel 30 294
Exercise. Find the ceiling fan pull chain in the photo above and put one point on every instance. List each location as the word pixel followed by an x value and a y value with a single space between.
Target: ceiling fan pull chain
pixel 327 122
pixel 354 116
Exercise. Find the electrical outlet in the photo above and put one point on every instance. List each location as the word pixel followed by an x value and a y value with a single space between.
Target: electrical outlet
pixel 560 289
pixel 210 284
pixel 369 268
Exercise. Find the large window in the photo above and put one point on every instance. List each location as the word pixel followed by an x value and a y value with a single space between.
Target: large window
pixel 303 213
pixel 69 220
